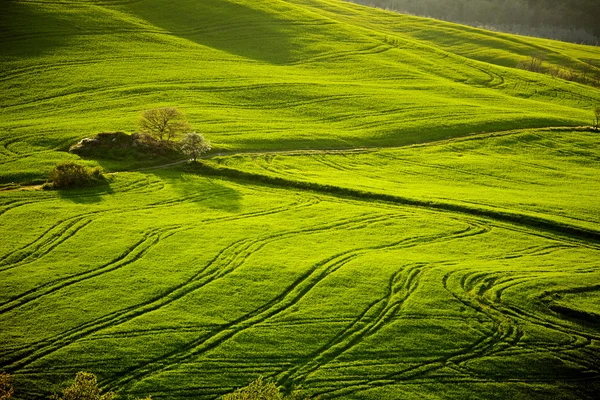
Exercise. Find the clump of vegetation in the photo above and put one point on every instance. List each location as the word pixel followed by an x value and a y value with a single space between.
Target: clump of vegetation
pixel 164 123
pixel 6 386
pixel 122 146
pixel 159 126
pixel 193 144
pixel 574 21
pixel 535 63
pixel 597 118
pixel 85 387
pixel 261 390
pixel 69 174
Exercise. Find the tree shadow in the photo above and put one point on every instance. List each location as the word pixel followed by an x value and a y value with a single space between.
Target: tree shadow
pixel 89 195
pixel 205 191
pixel 221 24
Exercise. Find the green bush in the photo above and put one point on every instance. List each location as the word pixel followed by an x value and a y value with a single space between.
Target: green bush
pixel 6 387
pixel 69 174
pixel 85 387
pixel 261 390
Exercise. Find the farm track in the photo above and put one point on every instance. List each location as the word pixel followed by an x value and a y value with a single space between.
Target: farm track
pixel 55 238
pixel 48 241
pixel 505 336
pixel 478 291
pixel 291 296
pixel 229 259
pixel 401 285
pixel 203 344
pixel 132 254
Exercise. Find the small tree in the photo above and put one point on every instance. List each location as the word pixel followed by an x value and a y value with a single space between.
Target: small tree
pixel 533 63
pixel 6 387
pixel 163 123
pixel 85 387
pixel 261 390
pixel 597 118
pixel 193 144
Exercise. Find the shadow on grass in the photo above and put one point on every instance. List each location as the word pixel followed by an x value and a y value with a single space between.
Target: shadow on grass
pixel 203 190
pixel 224 25
pixel 88 195
pixel 29 30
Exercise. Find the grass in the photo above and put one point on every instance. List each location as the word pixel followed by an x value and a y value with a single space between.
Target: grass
pixel 279 75
pixel 202 276
pixel 360 234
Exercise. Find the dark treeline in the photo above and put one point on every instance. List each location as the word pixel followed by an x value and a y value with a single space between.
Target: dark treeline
pixel 573 20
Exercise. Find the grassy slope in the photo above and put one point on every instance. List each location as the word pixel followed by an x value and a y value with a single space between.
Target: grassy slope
pixel 169 284
pixel 291 74
pixel 206 283
pixel 522 171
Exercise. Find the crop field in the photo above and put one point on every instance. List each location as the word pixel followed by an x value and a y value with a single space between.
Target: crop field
pixel 391 209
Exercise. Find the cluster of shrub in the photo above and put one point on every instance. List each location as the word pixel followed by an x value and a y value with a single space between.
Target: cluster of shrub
pixel 85 387
pixel 573 21
pixel 536 63
pixel 159 129
pixel 70 174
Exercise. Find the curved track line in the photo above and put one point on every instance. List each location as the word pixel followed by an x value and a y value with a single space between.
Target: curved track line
pixel 279 304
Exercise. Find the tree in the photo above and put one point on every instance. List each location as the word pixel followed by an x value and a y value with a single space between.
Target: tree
pixel 194 144
pixel 163 123
pixel 261 390
pixel 597 115
pixel 6 387
pixel 85 387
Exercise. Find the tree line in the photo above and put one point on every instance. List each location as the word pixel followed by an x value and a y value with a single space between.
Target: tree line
pixel 574 20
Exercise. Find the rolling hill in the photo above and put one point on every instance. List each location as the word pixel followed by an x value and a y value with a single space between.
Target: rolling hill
pixel 392 209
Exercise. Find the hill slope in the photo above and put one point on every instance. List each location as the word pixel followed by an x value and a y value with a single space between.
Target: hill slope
pixel 275 74
pixel 332 254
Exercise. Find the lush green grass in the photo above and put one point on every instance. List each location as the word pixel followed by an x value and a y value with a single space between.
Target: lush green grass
pixel 465 268
pixel 274 74
pixel 551 174
pixel 174 285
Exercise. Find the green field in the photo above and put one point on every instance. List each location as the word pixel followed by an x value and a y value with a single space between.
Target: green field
pixel 391 210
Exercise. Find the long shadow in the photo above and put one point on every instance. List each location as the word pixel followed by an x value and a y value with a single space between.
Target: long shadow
pixel 86 195
pixel 223 25
pixel 29 30
pixel 211 194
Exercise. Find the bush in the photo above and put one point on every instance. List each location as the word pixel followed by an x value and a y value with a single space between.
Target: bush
pixel 85 387
pixel 6 387
pixel 69 174
pixel 261 390
pixel 121 146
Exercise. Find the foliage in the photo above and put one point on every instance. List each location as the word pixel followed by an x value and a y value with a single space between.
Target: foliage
pixel 597 118
pixel 6 386
pixel 194 144
pixel 120 146
pixel 164 123
pixel 69 174
pixel 263 390
pixel 85 387
pixel 533 63
pixel 573 21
